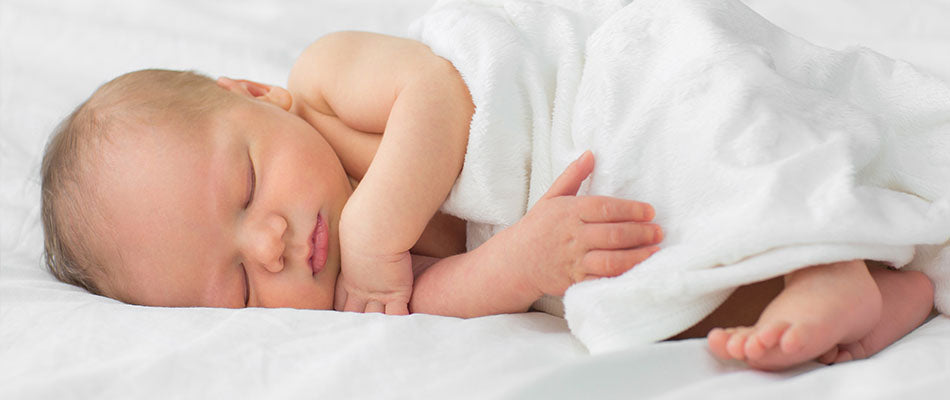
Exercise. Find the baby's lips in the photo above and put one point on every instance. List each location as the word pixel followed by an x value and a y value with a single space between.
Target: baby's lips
pixel 319 240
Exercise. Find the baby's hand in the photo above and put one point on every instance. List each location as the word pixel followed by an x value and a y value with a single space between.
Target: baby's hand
pixel 373 283
pixel 568 238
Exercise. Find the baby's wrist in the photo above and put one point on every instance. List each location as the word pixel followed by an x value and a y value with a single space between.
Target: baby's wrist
pixel 358 230
pixel 519 266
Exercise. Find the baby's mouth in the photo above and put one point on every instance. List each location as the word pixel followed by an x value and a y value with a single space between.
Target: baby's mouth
pixel 319 244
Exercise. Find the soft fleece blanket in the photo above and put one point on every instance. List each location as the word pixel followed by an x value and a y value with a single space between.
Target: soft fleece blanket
pixel 760 152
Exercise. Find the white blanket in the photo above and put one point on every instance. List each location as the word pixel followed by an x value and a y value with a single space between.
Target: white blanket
pixel 761 152
pixel 58 342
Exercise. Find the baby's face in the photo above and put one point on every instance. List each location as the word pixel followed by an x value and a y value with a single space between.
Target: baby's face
pixel 243 213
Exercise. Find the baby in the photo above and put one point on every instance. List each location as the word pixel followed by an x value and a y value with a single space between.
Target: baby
pixel 169 189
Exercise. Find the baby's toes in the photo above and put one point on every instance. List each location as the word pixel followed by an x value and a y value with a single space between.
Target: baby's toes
pixel 770 334
pixel 856 351
pixel 792 340
pixel 754 349
pixel 843 356
pixel 736 344
pixel 829 356
pixel 717 339
pixel 764 339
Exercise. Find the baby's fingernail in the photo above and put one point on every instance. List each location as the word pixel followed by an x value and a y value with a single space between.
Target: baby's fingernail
pixel 657 234
pixel 649 213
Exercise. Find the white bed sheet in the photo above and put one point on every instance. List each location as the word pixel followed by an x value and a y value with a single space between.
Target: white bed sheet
pixel 59 342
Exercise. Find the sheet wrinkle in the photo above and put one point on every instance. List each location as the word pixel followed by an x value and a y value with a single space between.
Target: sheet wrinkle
pixel 51 349
pixel 761 152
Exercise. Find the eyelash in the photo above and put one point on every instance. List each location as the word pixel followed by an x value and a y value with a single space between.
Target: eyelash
pixel 250 196
pixel 247 287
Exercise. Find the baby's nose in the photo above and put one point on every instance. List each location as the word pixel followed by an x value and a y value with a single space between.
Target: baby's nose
pixel 265 243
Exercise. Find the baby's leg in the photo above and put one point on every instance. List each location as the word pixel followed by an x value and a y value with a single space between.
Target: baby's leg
pixel 819 308
pixel 907 301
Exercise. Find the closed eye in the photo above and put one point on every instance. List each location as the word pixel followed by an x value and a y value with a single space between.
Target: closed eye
pixel 247 287
pixel 251 184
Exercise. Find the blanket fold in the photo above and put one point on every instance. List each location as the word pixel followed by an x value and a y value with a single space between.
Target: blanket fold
pixel 760 152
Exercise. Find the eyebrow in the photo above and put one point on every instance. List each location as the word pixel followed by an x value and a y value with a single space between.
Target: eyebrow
pixel 219 174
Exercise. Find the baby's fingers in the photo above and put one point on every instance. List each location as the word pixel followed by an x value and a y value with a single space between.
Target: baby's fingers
pixel 397 309
pixel 612 209
pixel 374 306
pixel 354 304
pixel 570 180
pixel 339 298
pixel 615 262
pixel 620 235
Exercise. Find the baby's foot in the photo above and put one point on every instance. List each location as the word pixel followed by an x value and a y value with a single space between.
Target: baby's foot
pixel 908 298
pixel 820 307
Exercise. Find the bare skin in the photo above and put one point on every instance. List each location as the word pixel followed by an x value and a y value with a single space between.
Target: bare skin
pixel 363 92
pixel 821 311
pixel 820 307
pixel 832 313
pixel 907 302
pixel 829 313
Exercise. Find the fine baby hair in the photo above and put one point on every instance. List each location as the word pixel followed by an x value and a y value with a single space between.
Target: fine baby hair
pixel 76 234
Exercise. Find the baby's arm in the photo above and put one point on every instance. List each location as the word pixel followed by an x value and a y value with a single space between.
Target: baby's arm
pixel 564 239
pixel 377 83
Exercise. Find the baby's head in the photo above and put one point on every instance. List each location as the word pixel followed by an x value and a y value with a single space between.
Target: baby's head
pixel 167 188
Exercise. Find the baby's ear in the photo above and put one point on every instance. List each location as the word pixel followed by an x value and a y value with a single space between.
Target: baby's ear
pixel 275 95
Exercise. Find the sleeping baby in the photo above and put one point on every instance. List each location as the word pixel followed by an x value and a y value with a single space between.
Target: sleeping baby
pixel 397 175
